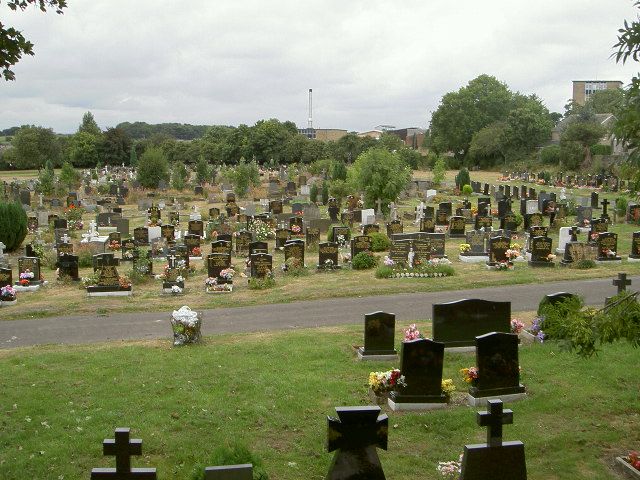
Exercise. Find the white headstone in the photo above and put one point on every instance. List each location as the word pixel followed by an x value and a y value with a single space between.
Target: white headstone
pixel 563 237
pixel 431 194
pixel 154 232
pixel 368 216
pixel 532 206
pixel 305 190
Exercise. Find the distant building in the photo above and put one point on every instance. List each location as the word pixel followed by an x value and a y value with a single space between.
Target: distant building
pixel 323 134
pixel 412 136
pixel 371 134
pixel 582 89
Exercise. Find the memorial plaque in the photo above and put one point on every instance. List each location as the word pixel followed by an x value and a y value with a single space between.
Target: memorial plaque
pixel 261 265
pixel 361 243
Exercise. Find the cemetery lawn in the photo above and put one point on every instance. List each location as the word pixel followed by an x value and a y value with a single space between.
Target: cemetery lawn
pixel 272 392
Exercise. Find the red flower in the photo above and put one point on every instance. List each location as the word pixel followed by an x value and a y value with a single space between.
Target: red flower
pixel 24 282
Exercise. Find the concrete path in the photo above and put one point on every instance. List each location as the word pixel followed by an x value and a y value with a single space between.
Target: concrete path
pixel 338 311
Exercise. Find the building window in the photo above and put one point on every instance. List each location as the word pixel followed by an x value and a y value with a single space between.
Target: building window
pixel 592 87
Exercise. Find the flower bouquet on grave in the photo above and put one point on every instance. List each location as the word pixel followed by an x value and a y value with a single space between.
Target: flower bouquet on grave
pixel 470 375
pixel 124 281
pixel 75 224
pixel 296 230
pixel 211 285
pixel 607 252
pixel 412 333
pixel 633 459
pixel 341 240
pixel 504 266
pixel 26 278
pixel 464 248
pixel 114 245
pixel 448 388
pixel 176 290
pixel 450 470
pixel 73 214
pixel 516 326
pixel 381 383
pixel 8 294
pixel 195 252
pixel 536 329
pixel 185 324
pixel 551 257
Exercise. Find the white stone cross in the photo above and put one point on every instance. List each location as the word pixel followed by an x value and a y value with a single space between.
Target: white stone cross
pixel 65 238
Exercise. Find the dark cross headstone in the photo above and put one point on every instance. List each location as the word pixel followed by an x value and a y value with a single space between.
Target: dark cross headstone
pixel 122 448
pixel 622 282
pixel 457 324
pixel 355 434
pixel 605 203
pixel 379 333
pixel 495 460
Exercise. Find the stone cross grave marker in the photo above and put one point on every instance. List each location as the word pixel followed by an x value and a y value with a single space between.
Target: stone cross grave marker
pixel 355 434
pixel 622 282
pixel 122 448
pixel 496 459
pixel 605 203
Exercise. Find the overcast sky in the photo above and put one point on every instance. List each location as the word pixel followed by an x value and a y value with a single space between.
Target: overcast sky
pixel 232 62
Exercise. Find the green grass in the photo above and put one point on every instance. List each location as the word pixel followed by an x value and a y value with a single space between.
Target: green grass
pixel 272 392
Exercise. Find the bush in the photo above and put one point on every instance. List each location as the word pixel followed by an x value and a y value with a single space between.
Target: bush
pixel 85 256
pixel 599 149
pixel 384 272
pixel 364 261
pixel 439 171
pixel 262 283
pixel 13 225
pixel 550 155
pixel 152 167
pixel 313 193
pixel 325 193
pixel 621 206
pixel 467 190
pixel 379 242
pixel 463 178
pixel 584 264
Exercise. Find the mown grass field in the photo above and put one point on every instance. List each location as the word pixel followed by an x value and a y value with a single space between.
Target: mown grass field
pixel 272 391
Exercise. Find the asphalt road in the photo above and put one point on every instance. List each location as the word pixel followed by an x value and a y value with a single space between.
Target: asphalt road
pixel 306 314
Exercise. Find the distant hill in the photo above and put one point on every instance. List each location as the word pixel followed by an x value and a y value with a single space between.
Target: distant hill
pixel 181 131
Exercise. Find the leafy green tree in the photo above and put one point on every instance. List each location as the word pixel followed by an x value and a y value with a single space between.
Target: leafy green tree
pixel 571 155
pixel 439 171
pixel 380 175
pixel 84 149
pixel 390 142
pixel 12 43
pixel 244 174
pixel 411 157
pixel 152 167
pixel 133 157
pixel 69 177
pixel 338 170
pixel 606 101
pixel 526 127
pixel 89 125
pixel 487 145
pixel 325 193
pixel 115 148
pixel 203 171
pixel 46 179
pixel 268 137
pixel 179 176
pixel 585 134
pixel 339 189
pixel 349 147
pixel 628 125
pixel 550 155
pixel 34 146
pixel 313 193
pixel 13 225
pixel 461 114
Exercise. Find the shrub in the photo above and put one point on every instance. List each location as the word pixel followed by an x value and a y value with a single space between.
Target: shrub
pixel 325 193
pixel 550 155
pixel 13 225
pixel 584 264
pixel 467 190
pixel 313 193
pixel 599 149
pixel 379 242
pixel 463 178
pixel 384 272
pixel 439 171
pixel 364 261
pixel 152 167
pixel 621 206
pixel 262 283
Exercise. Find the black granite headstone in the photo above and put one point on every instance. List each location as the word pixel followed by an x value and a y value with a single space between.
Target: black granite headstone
pixel 379 333
pixel 457 324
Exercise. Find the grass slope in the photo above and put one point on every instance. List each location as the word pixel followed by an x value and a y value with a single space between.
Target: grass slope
pixel 272 392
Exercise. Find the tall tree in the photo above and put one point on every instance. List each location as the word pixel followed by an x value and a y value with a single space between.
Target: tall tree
pixel 12 43
pixel 34 146
pixel 152 167
pixel 116 147
pixel 84 149
pixel 460 114
pixel 89 125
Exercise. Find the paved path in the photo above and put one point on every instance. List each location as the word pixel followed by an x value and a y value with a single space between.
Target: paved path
pixel 338 311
